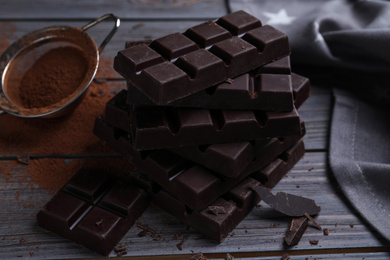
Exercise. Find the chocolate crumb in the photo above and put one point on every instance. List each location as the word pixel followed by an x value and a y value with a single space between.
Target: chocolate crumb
pixel 31 253
pixel 229 80
pixel 198 256
pixel 157 238
pixel 216 210
pixel 180 246
pixel 285 257
pixel 22 240
pixel 326 231
pixel 351 225
pixel 120 249
pixel 314 242
pixel 310 169
pixel 177 235
pixel 229 257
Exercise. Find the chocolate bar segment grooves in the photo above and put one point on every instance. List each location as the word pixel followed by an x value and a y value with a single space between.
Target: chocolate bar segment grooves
pixel 94 210
pixel 174 67
pixel 195 185
pixel 266 91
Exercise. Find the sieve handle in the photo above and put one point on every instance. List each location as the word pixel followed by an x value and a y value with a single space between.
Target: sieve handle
pixel 113 31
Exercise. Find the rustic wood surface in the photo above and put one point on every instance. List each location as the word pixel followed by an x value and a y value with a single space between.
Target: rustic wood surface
pixel 259 236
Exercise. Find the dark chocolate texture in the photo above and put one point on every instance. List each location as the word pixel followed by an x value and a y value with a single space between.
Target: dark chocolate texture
pixel 177 65
pixel 233 206
pixel 227 159
pixel 296 230
pixel 93 210
pixel 289 204
pixel 164 127
pixel 195 185
pixel 266 91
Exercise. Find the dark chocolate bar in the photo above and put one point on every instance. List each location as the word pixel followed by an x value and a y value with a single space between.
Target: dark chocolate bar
pixel 219 218
pixel 165 127
pixel 273 92
pixel 180 64
pixel 94 210
pixel 231 159
pixel 195 185
pixel 156 128
pixel 227 159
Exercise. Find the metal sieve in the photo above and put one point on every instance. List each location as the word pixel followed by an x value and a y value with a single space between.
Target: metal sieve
pixel 22 54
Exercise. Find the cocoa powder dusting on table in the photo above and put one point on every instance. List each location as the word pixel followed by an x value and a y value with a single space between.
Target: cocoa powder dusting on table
pixel 72 134
pixel 53 77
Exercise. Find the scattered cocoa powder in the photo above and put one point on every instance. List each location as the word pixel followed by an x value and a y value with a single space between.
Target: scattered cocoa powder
pixel 53 77
pixel 70 135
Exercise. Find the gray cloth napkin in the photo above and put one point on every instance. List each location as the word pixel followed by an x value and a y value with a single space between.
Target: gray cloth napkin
pixel 349 43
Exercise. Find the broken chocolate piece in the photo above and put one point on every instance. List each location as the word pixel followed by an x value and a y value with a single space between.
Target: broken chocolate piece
pixel 289 204
pixel 297 228
pixel 313 221
pixel 326 231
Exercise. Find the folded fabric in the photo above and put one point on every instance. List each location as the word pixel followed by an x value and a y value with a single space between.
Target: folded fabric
pixel 359 156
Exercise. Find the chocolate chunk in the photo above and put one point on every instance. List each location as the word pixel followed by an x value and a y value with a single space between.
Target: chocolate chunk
pixel 178 65
pixel 289 204
pixel 326 231
pixel 93 210
pixel 296 230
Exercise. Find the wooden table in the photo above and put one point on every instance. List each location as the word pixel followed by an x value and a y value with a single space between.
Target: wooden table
pixel 259 236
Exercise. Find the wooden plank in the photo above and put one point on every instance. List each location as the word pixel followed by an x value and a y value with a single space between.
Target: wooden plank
pixel 261 233
pixel 129 10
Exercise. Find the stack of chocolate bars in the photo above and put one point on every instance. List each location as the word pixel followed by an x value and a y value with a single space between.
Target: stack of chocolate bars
pixel 208 114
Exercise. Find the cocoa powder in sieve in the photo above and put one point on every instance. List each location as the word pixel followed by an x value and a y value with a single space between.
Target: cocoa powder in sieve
pixel 53 77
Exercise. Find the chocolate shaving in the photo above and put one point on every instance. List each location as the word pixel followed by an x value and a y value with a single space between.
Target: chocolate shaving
pixel 180 246
pixel 313 221
pixel 198 256
pixel 120 250
pixel 216 210
pixel 314 242
pixel 289 204
pixel 295 232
